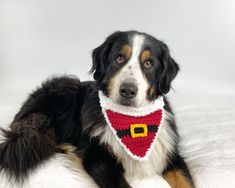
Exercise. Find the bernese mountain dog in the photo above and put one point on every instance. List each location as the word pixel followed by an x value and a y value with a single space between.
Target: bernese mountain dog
pixel 132 70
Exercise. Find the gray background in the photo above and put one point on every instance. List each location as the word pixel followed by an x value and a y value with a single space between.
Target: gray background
pixel 40 38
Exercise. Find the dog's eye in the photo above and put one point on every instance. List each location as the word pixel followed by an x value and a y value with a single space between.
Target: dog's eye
pixel 147 63
pixel 120 59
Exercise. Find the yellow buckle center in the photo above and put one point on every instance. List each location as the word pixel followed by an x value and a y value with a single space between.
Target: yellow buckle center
pixel 142 134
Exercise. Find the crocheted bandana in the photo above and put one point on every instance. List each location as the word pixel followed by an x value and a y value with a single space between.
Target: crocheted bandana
pixel 136 129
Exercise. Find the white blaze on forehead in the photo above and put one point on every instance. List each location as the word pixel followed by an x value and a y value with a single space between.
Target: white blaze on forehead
pixel 137 44
pixel 132 72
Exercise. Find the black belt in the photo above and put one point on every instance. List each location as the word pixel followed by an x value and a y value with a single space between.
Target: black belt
pixel 137 130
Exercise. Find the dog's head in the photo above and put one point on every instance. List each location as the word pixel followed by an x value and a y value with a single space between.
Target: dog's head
pixel 133 68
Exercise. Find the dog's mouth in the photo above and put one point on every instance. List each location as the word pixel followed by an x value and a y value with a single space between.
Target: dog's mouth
pixel 126 102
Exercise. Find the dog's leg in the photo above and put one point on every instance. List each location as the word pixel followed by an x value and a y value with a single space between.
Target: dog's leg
pixel 176 179
pixel 177 174
pixel 148 182
pixel 103 168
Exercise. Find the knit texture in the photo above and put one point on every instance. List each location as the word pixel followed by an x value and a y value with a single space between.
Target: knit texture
pixel 138 146
pixel 136 130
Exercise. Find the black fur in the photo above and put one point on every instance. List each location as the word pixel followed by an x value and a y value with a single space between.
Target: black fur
pixel 103 165
pixel 65 110
pixel 101 53
pixel 26 146
pixel 177 162
pixel 169 71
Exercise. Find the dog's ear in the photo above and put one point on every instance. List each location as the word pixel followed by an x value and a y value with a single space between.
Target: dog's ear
pixel 168 72
pixel 100 56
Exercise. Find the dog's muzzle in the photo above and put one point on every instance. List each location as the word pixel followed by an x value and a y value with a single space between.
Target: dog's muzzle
pixel 127 92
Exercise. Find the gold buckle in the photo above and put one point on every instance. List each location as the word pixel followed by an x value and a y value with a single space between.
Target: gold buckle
pixel 136 135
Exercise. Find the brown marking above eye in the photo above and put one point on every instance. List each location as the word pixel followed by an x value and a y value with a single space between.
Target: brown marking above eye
pixel 145 58
pixel 146 54
pixel 126 51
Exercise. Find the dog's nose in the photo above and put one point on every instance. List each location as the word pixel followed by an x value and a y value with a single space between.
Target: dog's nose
pixel 128 90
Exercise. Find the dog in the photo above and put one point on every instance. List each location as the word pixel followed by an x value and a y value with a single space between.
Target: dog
pixel 132 70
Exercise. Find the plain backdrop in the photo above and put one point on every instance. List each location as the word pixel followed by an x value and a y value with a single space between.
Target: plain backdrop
pixel 44 37
pixel 40 38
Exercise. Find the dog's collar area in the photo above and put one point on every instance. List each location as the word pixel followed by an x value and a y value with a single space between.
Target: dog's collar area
pixel 136 129
pixel 107 103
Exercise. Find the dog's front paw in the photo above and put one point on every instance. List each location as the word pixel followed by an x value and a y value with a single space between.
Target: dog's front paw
pixel 155 181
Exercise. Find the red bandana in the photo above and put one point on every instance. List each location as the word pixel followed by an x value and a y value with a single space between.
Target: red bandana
pixel 135 129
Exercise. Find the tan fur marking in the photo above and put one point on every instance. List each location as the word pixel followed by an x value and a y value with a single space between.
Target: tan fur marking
pixel 126 51
pixel 111 85
pixel 74 158
pixel 176 179
pixel 145 55
pixel 69 151
pixel 151 92
pixel 66 148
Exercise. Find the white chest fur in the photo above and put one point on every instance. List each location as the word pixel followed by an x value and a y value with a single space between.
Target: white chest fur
pixel 153 181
